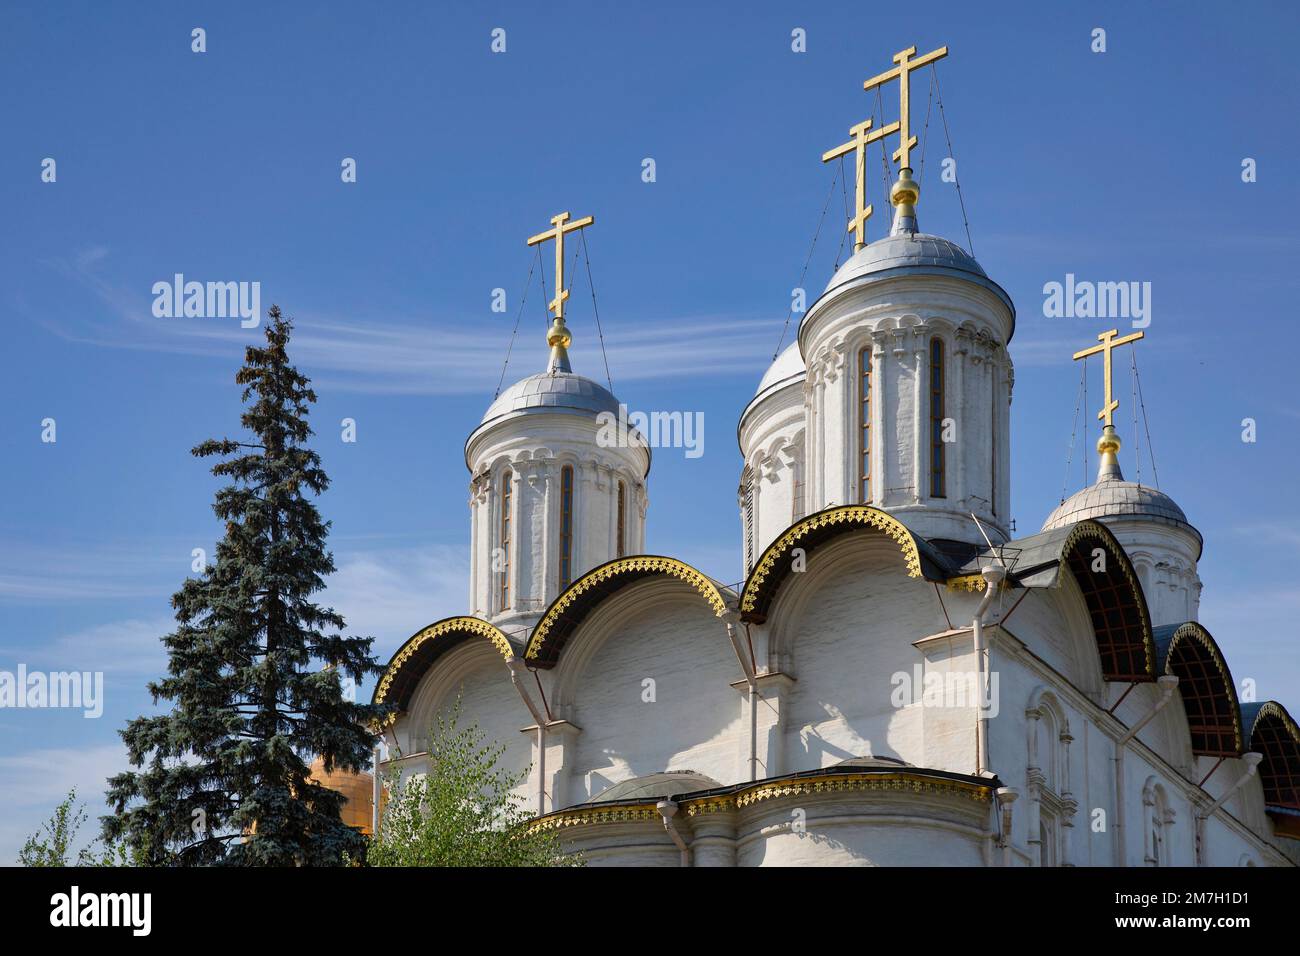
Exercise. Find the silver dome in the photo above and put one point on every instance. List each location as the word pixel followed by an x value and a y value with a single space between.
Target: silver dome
pixel 1116 498
pixel 907 250
pixel 551 391
pixel 787 369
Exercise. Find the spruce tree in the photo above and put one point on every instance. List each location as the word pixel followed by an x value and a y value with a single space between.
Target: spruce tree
pixel 255 672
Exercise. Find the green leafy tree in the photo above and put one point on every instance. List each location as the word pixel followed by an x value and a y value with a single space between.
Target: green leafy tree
pixel 52 844
pixel 463 811
pixel 224 774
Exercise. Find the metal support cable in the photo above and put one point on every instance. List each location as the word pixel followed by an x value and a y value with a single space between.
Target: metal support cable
pixel 955 178
pixel 518 316
pixel 600 333
pixel 804 272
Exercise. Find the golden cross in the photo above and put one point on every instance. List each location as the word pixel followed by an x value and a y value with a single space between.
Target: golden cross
pixel 1108 342
pixel 859 143
pixel 562 226
pixel 902 72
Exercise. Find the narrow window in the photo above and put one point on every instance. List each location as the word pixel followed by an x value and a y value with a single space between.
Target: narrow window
pixel 566 526
pixel 993 448
pixel 936 419
pixel 505 498
pixel 864 412
pixel 747 516
pixel 622 519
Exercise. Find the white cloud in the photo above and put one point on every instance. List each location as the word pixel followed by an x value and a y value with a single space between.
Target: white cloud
pixel 392 593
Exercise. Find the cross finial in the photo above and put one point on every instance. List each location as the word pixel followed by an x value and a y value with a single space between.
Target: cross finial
pixel 558 336
pixel 902 72
pixel 562 226
pixel 862 136
pixel 1108 444
pixel 1108 342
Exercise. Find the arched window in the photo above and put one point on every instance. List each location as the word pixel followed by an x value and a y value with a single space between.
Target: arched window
pixel 1159 824
pixel 937 484
pixel 505 499
pixel 747 514
pixel 566 526
pixel 622 519
pixel 864 425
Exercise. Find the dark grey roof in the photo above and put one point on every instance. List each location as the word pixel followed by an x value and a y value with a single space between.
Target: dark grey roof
pixel 657 786
pixel 874 763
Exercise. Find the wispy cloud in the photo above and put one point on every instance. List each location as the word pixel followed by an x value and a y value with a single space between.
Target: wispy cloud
pixel 392 593
pixel 45 574
pixel 455 356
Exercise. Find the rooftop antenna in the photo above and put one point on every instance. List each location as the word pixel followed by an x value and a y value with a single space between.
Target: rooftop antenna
pixel 996 553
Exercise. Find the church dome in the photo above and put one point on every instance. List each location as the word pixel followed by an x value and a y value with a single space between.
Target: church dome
pixel 551 391
pixel 657 786
pixel 1112 498
pixel 787 369
pixel 907 250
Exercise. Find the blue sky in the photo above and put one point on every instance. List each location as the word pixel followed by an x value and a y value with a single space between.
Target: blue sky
pixel 1123 165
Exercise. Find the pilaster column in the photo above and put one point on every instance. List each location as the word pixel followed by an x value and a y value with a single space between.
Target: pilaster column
pixel 958 410
pixel 561 746
pixel 920 418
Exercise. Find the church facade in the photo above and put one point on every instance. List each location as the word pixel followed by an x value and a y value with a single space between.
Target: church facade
pixel 899 680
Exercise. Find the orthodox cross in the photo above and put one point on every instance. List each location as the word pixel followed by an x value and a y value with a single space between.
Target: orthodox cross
pixel 859 143
pixel 562 226
pixel 1108 342
pixel 902 72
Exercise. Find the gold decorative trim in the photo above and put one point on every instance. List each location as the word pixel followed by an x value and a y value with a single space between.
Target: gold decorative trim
pixel 839 783
pixel 1092 530
pixel 830 783
pixel 638 813
pixel 1279 712
pixel 1197 631
pixel 971 582
pixel 863 515
pixel 695 808
pixel 472 625
pixel 659 565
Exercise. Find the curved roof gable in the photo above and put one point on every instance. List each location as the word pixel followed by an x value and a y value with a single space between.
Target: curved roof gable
pixel 1188 652
pixel 774 566
pixel 1271 732
pixel 414 658
pixel 1116 605
pixel 582 596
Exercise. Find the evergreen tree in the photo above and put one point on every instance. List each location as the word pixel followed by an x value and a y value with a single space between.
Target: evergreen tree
pixel 226 780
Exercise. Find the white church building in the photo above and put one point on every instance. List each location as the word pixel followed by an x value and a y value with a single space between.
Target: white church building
pixel 899 680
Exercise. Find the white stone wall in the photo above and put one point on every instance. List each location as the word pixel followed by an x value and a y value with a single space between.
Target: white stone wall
pixel 1165 558
pixel 843 631
pixel 772 443
pixel 534 448
pixel 646 680
pixel 897 319
pixel 474 673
